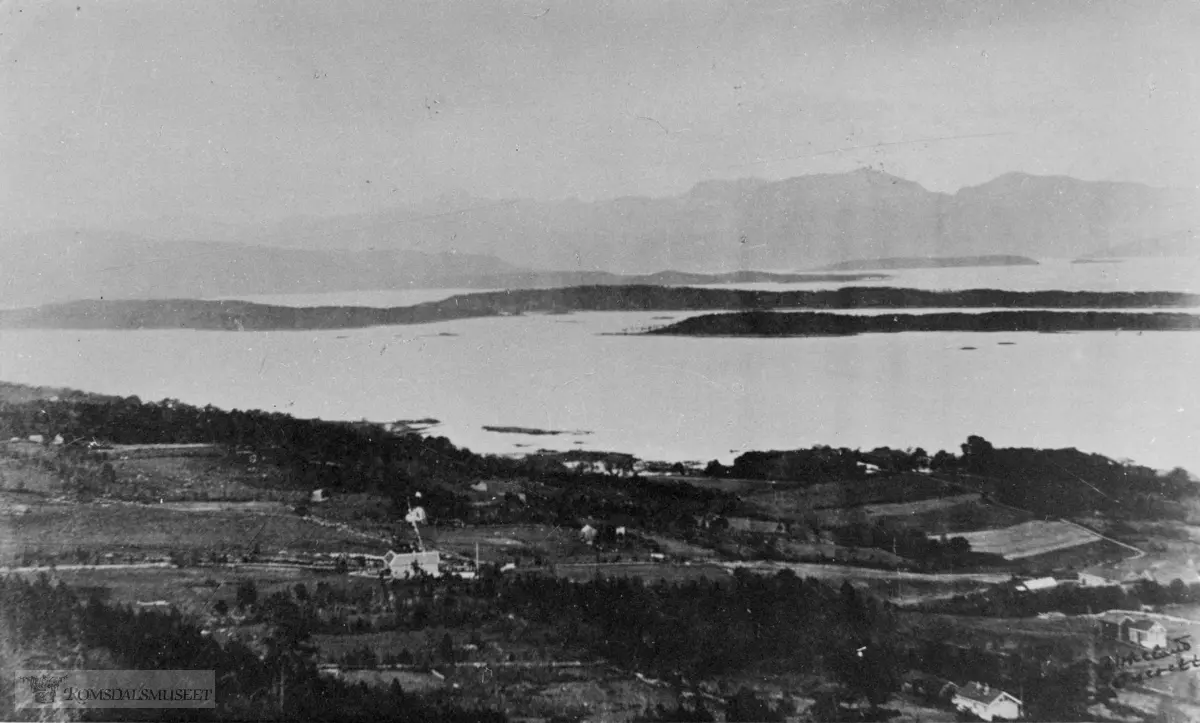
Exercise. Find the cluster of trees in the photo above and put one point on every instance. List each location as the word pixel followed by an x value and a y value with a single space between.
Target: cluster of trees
pixel 930 553
pixel 1060 482
pixel 1069 482
pixel 1054 683
pixel 1005 601
pixel 51 626
pixel 704 628
pixel 813 466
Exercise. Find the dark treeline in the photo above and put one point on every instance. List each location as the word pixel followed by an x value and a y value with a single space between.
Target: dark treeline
pixel 704 628
pixel 234 315
pixel 929 553
pixel 765 323
pixel 1006 601
pixel 1056 482
pixel 1067 482
pixel 49 626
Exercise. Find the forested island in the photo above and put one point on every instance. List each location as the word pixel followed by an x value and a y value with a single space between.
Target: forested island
pixel 232 315
pixel 775 324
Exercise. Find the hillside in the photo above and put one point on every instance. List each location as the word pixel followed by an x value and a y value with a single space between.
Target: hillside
pixel 241 315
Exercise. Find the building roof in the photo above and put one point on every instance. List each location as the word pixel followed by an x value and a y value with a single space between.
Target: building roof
pixel 1040 583
pixel 1145 625
pixel 983 694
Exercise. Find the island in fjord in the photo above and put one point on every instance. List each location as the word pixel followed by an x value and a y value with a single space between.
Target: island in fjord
pixel 776 324
pixel 241 315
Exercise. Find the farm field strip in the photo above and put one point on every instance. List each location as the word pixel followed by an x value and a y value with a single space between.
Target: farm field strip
pixel 896 509
pixel 1029 539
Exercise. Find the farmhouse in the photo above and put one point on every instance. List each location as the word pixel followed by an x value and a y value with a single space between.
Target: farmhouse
pixel 1087 579
pixel 986 702
pixel 1148 634
pixel 1040 583
pixel 404 565
pixel 1144 633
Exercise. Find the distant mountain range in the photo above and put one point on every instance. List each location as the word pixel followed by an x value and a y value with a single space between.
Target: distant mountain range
pixel 805 222
pixel 808 222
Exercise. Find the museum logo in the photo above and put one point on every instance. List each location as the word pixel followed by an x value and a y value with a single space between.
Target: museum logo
pixel 116 689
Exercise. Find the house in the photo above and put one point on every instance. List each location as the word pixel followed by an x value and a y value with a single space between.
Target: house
pixel 587 534
pixel 1086 579
pixel 401 564
pixel 1143 633
pixel 1148 634
pixel 1039 583
pixel 988 703
pixel 318 495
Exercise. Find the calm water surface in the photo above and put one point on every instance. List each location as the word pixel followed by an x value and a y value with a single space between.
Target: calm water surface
pixel 1124 395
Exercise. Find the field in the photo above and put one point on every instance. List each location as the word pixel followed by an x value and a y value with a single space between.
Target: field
pixel 23 475
pixel 190 589
pixel 1029 539
pixel 129 529
pixel 649 572
pixel 199 478
pixel 1089 554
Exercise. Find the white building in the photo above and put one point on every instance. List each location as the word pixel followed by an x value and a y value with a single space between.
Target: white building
pixel 402 564
pixel 1040 583
pixel 986 702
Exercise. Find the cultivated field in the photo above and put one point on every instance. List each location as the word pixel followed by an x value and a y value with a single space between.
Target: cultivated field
pixel 190 589
pixel 1029 538
pixel 130 529
pixel 650 572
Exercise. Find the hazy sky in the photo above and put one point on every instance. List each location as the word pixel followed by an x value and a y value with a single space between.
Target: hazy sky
pixel 235 111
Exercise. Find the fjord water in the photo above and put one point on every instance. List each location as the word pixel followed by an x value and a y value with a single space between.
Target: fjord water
pixel 1122 395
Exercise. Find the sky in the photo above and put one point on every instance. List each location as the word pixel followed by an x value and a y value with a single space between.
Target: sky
pixel 240 112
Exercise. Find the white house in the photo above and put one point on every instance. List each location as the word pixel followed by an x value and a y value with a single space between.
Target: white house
pixel 986 702
pixel 1040 583
pixel 401 563
pixel 1086 579
pixel 587 534
pixel 318 495
pixel 1148 634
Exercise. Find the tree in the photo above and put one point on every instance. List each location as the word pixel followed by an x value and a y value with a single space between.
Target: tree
pixel 745 705
pixel 247 594
pixel 446 648
pixel 301 592
pixel 221 607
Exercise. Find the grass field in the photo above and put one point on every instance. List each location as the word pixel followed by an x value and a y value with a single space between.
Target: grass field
pixel 498 543
pixel 1029 539
pixel 17 475
pixel 123 528
pixel 189 589
pixel 650 572
pixel 200 478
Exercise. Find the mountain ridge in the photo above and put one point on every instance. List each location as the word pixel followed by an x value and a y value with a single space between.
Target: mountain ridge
pixel 717 226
